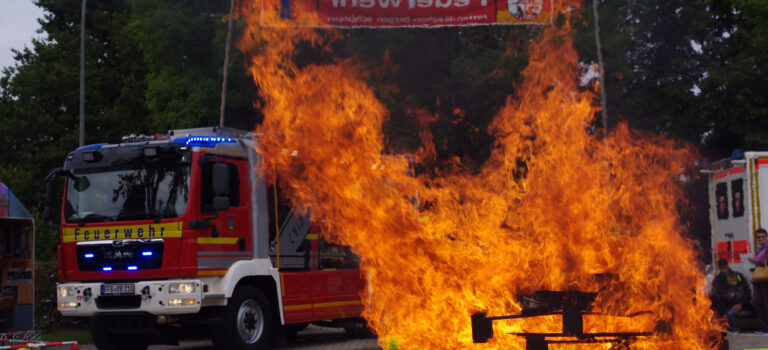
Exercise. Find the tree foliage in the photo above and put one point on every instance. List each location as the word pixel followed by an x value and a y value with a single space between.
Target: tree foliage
pixel 182 45
pixel 694 70
pixel 39 102
pixel 733 96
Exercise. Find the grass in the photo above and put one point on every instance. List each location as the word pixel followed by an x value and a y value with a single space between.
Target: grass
pixel 82 335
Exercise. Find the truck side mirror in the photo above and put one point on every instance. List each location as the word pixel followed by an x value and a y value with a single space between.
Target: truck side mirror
pixel 220 186
pixel 51 189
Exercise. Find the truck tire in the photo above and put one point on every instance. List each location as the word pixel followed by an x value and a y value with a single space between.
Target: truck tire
pixel 104 339
pixel 247 323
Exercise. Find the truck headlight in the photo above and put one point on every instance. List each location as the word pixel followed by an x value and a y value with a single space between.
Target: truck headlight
pixel 67 305
pixel 181 288
pixel 65 291
pixel 181 302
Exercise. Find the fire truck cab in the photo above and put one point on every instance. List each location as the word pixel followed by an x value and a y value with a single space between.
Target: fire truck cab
pixel 182 230
pixel 738 198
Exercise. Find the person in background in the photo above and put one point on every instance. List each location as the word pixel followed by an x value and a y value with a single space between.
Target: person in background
pixel 730 293
pixel 760 290
pixel 760 235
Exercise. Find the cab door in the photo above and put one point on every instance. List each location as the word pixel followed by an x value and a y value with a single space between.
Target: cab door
pixel 227 238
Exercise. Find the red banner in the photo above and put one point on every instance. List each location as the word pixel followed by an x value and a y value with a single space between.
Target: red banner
pixel 409 13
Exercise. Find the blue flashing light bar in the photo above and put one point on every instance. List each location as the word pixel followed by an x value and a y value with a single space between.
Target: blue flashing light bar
pixel 132 268
pixel 204 141
pixel 92 147
pixel 106 268
pixel 146 253
pixel 88 255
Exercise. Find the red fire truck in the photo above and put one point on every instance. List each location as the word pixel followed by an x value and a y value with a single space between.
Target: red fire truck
pixel 181 231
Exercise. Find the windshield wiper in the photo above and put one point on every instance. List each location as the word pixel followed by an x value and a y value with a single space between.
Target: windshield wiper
pixel 155 215
pixel 134 216
pixel 93 218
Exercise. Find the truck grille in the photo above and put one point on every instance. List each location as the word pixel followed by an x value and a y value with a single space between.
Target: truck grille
pixel 120 255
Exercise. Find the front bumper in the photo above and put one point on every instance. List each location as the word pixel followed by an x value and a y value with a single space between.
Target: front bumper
pixel 153 297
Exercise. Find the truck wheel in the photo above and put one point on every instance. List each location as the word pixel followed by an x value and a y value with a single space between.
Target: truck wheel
pixel 104 339
pixel 247 323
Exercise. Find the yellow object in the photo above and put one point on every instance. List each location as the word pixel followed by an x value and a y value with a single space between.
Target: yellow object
pixel 95 233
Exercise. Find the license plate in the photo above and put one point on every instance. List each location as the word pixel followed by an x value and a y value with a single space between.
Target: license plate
pixel 117 289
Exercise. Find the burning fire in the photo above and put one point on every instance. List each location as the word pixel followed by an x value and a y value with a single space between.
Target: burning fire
pixel 554 208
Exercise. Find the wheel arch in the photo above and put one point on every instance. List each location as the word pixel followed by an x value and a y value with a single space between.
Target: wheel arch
pixel 248 321
pixel 267 286
pixel 259 273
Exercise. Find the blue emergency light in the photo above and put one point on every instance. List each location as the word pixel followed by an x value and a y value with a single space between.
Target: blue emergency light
pixel 88 255
pixel 92 147
pixel 146 253
pixel 204 141
pixel 106 268
pixel 132 268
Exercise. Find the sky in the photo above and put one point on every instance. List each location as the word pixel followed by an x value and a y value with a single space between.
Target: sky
pixel 18 23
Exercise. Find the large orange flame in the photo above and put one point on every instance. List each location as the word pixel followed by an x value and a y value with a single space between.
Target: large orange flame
pixel 555 207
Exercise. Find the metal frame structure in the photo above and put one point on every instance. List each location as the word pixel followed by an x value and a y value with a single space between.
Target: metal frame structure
pixel 572 306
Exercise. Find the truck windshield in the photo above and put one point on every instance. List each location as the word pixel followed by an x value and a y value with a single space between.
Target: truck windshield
pixel 128 191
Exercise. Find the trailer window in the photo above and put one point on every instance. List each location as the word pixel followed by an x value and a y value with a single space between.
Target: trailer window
pixel 721 196
pixel 737 200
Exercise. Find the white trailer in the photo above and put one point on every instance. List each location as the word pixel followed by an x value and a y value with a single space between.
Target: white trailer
pixel 738 205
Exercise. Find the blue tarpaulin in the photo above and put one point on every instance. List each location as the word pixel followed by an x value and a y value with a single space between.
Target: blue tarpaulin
pixel 10 206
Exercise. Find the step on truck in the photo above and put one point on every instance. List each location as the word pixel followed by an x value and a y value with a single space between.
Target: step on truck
pixel 181 231
pixel 738 203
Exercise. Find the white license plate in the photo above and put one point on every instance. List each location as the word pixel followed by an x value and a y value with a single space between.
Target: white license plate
pixel 117 289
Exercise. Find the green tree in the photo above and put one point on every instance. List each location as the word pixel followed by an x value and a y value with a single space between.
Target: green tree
pixel 39 101
pixel 694 70
pixel 39 97
pixel 733 97
pixel 183 51
pixel 652 62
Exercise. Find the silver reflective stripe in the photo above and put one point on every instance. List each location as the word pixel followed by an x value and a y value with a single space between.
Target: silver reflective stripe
pixel 206 253
pixel 217 262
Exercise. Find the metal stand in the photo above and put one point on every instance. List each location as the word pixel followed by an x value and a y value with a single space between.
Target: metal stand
pixel 572 306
